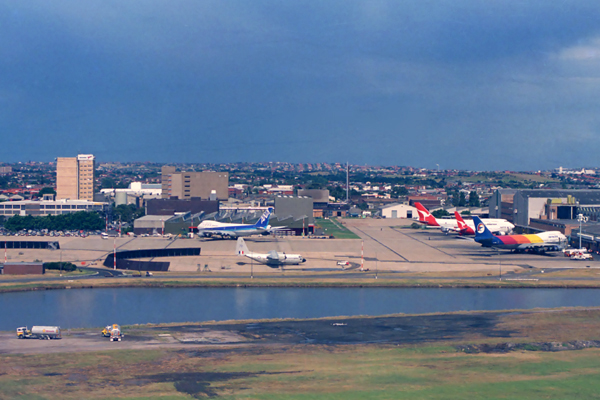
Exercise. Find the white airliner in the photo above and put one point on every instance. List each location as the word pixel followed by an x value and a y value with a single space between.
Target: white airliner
pixel 233 231
pixel 497 226
pixel 272 259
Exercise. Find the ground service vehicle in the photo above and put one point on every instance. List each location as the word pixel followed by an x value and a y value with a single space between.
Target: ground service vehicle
pixel 582 256
pixel 572 252
pixel 39 332
pixel 106 331
pixel 113 332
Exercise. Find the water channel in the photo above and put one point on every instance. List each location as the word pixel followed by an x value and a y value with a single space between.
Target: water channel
pixel 84 308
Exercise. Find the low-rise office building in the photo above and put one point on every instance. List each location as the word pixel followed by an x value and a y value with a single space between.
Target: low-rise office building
pixel 38 208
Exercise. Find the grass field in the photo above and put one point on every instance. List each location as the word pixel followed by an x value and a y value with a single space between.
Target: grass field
pixel 369 371
pixel 336 229
pixel 574 278
pixel 304 372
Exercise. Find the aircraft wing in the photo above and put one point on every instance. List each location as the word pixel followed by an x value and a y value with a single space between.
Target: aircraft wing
pixel 273 256
pixel 276 228
pixel 216 232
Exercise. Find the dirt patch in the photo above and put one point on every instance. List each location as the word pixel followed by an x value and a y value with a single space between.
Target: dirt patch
pixel 198 384
pixel 404 329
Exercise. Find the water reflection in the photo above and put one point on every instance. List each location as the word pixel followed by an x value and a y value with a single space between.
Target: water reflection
pixel 98 307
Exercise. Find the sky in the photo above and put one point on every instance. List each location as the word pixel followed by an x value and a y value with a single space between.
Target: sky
pixel 463 84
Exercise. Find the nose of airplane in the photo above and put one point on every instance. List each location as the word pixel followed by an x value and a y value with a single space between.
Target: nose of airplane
pixel 303 259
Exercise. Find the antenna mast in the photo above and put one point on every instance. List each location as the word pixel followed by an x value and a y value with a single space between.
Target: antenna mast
pixel 347 181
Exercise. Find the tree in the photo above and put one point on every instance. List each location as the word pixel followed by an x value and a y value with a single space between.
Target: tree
pixel 440 213
pixel 474 199
pixel 82 220
pixel 398 191
pixel 107 183
pixel 46 190
pixel 128 212
pixel 462 200
pixel 337 192
pixel 455 198
pixel 317 182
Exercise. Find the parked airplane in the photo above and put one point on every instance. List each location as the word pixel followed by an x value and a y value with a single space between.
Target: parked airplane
pixel 500 226
pixel 496 226
pixel 233 231
pixel 426 218
pixel 539 242
pixel 272 259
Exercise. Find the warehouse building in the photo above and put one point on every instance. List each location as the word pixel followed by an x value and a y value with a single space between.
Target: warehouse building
pixel 524 207
pixel 295 213
pixel 399 211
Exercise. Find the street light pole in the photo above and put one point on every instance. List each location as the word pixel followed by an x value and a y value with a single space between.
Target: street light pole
pixel 581 218
pixel 499 265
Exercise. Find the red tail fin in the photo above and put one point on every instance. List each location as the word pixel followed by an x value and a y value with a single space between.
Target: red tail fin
pixel 424 215
pixel 463 228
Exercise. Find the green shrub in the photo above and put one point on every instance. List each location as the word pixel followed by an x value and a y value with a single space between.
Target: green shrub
pixel 66 266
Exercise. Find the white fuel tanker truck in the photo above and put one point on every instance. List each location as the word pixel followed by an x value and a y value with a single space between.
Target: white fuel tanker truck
pixel 39 332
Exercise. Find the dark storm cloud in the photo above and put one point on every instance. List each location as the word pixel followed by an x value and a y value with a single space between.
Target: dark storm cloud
pixel 465 84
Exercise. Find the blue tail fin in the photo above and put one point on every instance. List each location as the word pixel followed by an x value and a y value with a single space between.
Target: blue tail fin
pixel 263 222
pixel 481 231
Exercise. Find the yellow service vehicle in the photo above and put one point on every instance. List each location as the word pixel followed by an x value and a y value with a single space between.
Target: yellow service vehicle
pixel 109 328
pixel 113 332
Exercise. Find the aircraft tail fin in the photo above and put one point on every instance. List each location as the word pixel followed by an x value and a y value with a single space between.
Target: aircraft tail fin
pixel 241 248
pixel 263 222
pixel 462 225
pixel 425 216
pixel 481 231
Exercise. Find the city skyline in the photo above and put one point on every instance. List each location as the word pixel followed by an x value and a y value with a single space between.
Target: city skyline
pixel 466 85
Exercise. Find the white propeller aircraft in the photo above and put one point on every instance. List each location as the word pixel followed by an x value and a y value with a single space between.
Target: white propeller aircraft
pixel 272 259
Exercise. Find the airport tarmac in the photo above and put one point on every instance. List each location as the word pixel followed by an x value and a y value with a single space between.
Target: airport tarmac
pixel 387 245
